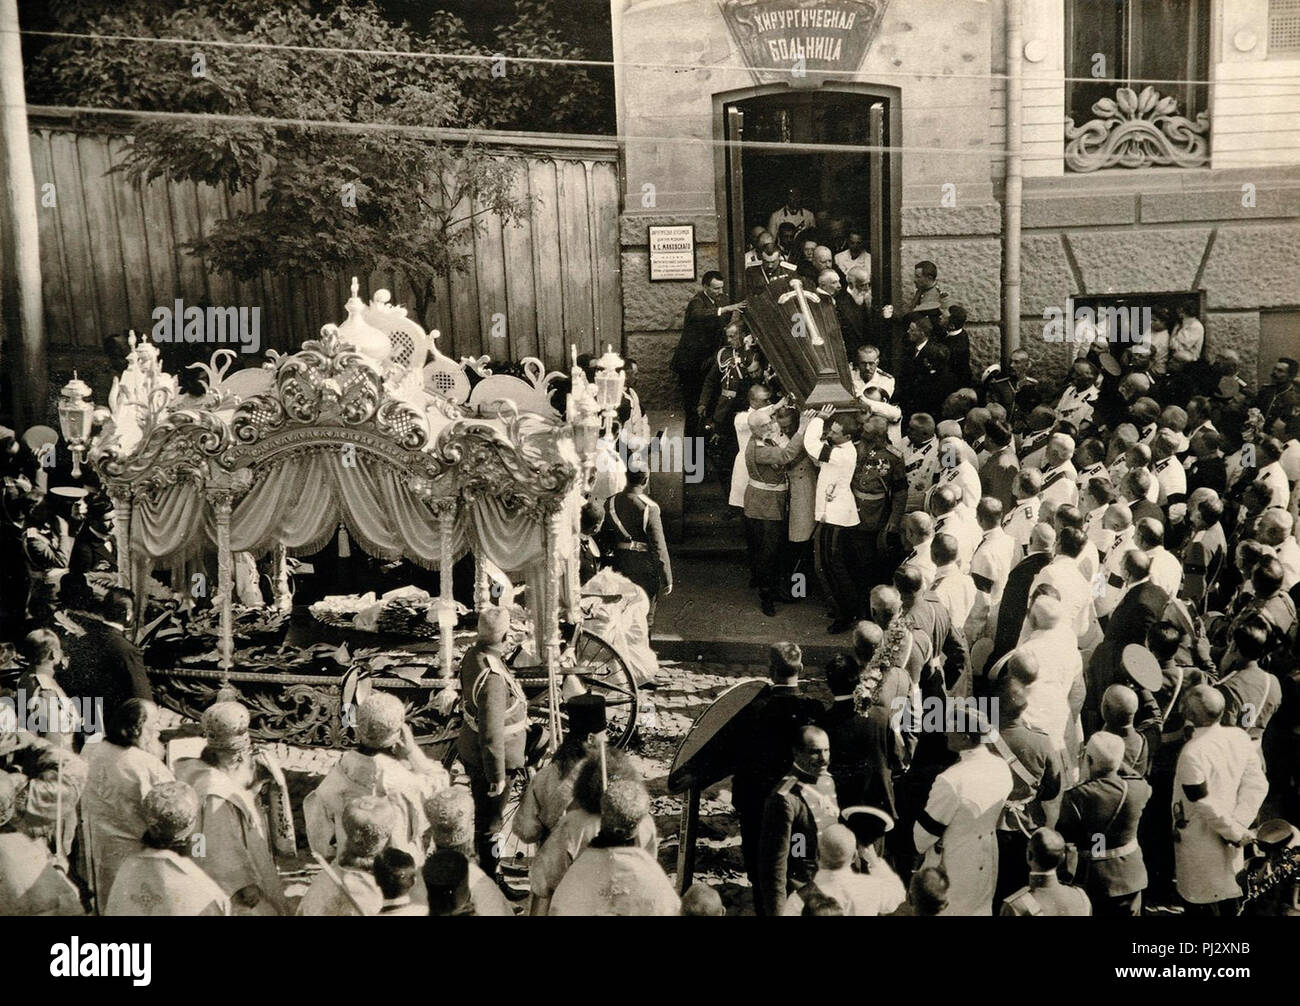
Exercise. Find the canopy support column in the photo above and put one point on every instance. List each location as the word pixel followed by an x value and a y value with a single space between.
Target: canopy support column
pixel 482 582
pixel 281 599
pixel 446 597
pixel 123 510
pixel 221 507
pixel 551 614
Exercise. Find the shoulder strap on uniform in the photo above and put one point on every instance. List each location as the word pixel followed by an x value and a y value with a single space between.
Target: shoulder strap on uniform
pixel 1024 903
pixel 611 510
pixel 1014 763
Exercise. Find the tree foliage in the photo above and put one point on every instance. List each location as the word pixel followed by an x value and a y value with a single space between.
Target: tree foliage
pixel 384 190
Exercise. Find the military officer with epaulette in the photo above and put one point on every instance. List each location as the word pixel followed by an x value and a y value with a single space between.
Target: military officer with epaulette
pixel 1036 774
pixel 1100 817
pixel 880 490
pixel 492 736
pixel 1045 894
pixel 920 459
pixel 773 274
pixel 1012 387
pixel 866 373
pixel 802 804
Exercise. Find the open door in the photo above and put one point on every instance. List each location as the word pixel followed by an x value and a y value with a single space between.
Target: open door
pixel 878 223
pixel 735 129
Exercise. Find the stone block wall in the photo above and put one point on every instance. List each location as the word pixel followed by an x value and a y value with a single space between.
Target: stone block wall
pixel 1115 231
pixel 1159 231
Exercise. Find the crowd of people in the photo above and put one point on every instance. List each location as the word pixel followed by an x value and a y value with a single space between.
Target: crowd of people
pixel 1092 585
pixel 1070 685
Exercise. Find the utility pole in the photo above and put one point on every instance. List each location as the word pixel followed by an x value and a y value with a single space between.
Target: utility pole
pixel 22 322
pixel 1014 184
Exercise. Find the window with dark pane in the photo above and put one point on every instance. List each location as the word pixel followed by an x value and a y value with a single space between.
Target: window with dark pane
pixel 1110 43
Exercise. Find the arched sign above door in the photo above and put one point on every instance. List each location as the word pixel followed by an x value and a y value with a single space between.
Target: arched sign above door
pixel 799 41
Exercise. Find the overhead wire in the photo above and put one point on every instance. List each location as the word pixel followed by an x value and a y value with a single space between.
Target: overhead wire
pixel 504 137
pixel 610 64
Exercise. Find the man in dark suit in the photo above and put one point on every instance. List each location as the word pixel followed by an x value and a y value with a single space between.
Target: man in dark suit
pixel 94 550
pixel 923 375
pixel 1207 468
pixel 702 328
pixel 862 755
pixel 776 718
pixel 1100 817
pixel 957 343
pixel 1133 487
pixel 1140 608
pixel 798 807
pixel 1015 595
pixel 103 663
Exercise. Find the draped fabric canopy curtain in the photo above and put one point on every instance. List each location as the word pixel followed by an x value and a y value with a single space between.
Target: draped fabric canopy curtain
pixel 302 499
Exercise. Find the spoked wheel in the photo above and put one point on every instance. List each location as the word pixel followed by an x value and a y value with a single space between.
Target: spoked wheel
pixel 602 671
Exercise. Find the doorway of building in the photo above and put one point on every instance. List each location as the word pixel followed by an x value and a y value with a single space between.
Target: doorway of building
pixel 828 145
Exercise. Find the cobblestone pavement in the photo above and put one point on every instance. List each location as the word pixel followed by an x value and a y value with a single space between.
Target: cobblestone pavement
pixel 684 691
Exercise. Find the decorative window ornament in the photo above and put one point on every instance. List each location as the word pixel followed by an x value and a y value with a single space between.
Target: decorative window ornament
pixel 1137 130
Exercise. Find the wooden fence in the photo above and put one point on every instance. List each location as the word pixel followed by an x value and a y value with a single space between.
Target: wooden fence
pixel 112 251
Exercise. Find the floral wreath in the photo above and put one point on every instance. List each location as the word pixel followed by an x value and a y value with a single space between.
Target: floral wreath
pixel 893 651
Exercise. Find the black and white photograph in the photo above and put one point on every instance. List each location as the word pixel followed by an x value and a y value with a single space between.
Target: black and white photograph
pixel 651 458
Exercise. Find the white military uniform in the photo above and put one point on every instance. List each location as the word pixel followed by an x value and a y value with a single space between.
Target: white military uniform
pixel 1061 484
pixel 989 569
pixel 834 503
pixel 956 591
pixel 1106 599
pixel 1171 480
pixel 1223 761
pixel 1096 470
pixel 922 468
pixel 1033 448
pixel 1166 571
pixel 892 414
pixel 1019 523
pixel 965 803
pixel 1064 575
pixel 1056 695
pixel 880 379
pixel 961 524
pixel 964 476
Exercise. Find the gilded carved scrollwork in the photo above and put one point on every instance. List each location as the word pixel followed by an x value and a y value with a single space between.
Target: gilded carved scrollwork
pixel 525 467
pixel 179 448
pixel 327 384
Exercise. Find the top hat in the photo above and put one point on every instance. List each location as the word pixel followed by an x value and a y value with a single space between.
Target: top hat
pixel 586 714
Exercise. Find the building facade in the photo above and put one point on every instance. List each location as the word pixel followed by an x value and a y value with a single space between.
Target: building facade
pixel 1160 152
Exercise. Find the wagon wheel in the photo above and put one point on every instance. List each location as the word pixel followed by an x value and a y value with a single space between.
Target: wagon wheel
pixel 602 671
